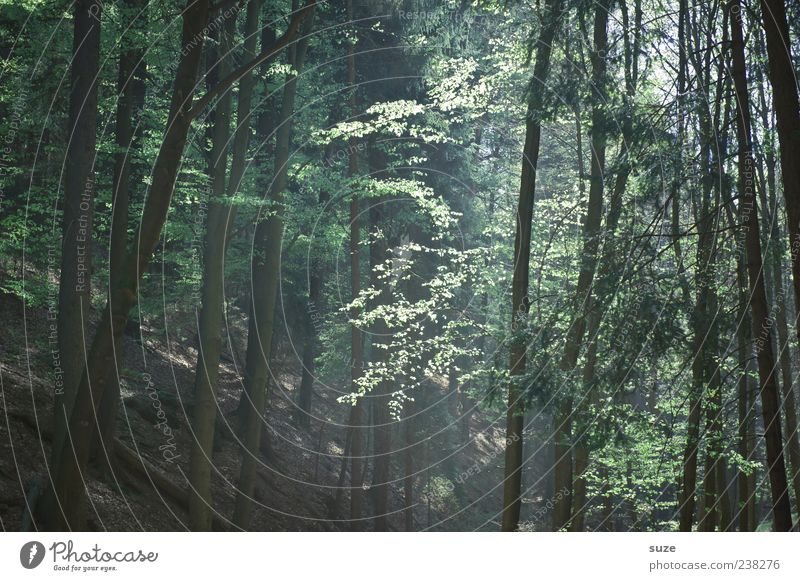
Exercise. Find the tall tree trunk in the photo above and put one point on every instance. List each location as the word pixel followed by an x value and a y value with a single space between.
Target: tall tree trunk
pixel 781 304
pixel 562 419
pixel 607 266
pixel 74 289
pixel 266 272
pixel 520 302
pixel 704 310
pixel 714 482
pixel 781 511
pixel 204 410
pixel 745 437
pixel 356 336
pixel 787 114
pixel 130 101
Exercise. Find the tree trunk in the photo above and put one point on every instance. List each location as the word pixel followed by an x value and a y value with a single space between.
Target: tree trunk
pixel 209 350
pixel 781 511
pixel 356 337
pixel 787 114
pixel 74 289
pixel 305 392
pixel 781 304
pixel 266 272
pixel 130 101
pixel 704 310
pixel 562 421
pixel 512 483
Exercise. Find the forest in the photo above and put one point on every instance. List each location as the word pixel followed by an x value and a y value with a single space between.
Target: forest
pixel 399 265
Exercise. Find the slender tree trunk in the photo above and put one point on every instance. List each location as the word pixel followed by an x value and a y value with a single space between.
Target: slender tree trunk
pixel 704 311
pixel 218 221
pixel 356 337
pixel 562 421
pixel 781 304
pixel 212 294
pixel 266 272
pixel 579 499
pixel 745 442
pixel 746 493
pixel 785 99
pixel 781 511
pixel 714 483
pixel 130 101
pixel 410 441
pixel 74 290
pixel 512 483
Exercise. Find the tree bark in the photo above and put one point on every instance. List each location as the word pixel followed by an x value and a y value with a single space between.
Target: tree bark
pixel 781 304
pixel 356 336
pixel 787 115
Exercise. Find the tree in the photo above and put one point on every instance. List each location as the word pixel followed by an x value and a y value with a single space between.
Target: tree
pixel 212 291
pixel 520 302
pixel 562 419
pixel 781 511
pixel 74 291
pixel 787 114
pixel 356 335
pixel 130 101
pixel 267 245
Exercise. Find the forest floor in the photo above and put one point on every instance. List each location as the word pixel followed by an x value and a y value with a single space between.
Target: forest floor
pixel 299 468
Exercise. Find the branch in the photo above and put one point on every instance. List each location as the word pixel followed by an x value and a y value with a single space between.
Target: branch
pixel 287 38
